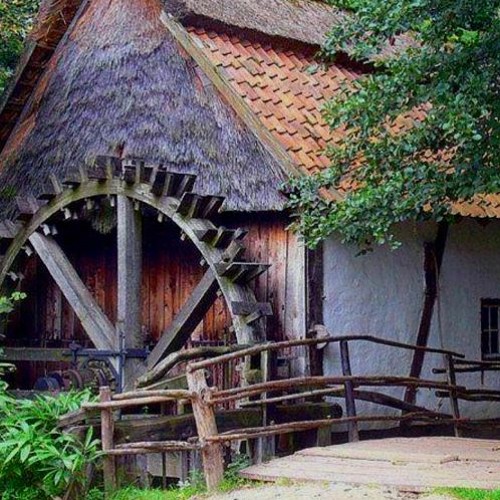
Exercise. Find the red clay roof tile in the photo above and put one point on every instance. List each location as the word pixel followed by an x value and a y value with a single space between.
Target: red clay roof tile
pixel 287 89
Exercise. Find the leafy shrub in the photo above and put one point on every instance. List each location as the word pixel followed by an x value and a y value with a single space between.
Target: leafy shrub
pixel 7 305
pixel 232 479
pixel 38 461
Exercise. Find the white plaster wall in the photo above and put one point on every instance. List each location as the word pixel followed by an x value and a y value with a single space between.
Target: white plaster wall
pixel 381 294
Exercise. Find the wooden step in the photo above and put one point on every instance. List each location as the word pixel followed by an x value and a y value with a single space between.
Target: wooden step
pixel 199 207
pixel 51 189
pixel 158 184
pixel 247 308
pixel 98 174
pixel 226 236
pixel 252 311
pixel 147 169
pixel 104 168
pixel 235 251
pixel 27 207
pixel 170 183
pixel 241 272
pixel 189 204
pixel 132 170
pixel 75 178
pixel 186 184
pixel 209 207
pixel 48 192
pixel 221 237
pixel 8 231
pixel 206 235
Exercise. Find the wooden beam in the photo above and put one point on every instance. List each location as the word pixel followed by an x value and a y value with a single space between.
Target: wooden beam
pixel 94 321
pixel 36 354
pixel 433 260
pixel 129 286
pixel 171 427
pixel 187 319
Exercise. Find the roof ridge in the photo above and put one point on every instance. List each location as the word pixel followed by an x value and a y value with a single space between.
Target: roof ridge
pixel 306 21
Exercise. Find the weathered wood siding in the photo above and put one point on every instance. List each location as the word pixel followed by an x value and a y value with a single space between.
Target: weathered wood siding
pixel 171 270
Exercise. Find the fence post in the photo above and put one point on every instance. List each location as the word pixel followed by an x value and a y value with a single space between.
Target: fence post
pixel 350 402
pixel 266 445
pixel 107 431
pixel 206 425
pixel 452 380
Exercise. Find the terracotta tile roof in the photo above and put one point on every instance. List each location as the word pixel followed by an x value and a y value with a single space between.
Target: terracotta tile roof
pixel 285 88
pixel 482 206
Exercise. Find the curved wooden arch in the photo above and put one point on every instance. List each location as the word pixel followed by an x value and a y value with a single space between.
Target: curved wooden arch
pixel 171 196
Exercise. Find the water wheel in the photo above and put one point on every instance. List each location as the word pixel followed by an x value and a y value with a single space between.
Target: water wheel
pixel 130 184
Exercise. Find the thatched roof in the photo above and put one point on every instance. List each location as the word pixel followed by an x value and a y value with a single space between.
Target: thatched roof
pixel 302 20
pixel 119 84
pixel 51 24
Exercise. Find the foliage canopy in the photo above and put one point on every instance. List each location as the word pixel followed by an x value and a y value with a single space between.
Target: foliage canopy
pixel 16 17
pixel 447 73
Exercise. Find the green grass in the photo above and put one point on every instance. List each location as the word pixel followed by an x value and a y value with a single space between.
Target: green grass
pixel 473 494
pixel 172 494
pixel 195 487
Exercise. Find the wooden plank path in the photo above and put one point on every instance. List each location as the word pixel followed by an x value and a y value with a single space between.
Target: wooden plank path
pixel 416 464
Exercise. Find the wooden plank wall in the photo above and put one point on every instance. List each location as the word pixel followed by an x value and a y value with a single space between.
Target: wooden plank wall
pixel 170 272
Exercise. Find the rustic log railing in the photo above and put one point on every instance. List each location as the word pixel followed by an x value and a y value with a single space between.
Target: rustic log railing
pixel 107 404
pixel 459 366
pixel 206 401
pixel 340 386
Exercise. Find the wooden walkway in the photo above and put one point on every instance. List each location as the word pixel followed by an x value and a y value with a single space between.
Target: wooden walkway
pixel 415 464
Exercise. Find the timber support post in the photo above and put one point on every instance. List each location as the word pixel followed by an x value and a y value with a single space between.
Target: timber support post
pixel 204 415
pixel 433 259
pixel 107 432
pixel 350 401
pixel 129 234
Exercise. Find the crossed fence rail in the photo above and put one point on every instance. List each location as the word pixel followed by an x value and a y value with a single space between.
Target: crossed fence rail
pixel 206 400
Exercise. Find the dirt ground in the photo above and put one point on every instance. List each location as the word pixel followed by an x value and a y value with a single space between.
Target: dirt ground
pixel 315 491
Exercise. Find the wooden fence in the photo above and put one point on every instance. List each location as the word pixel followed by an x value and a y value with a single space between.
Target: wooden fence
pixel 206 401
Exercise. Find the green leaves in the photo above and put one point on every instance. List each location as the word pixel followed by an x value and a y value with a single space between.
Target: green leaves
pixel 7 304
pixel 32 447
pixel 421 131
pixel 16 17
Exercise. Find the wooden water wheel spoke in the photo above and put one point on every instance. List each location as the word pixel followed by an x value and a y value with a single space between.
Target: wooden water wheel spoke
pixel 187 319
pixel 95 323
pixel 128 184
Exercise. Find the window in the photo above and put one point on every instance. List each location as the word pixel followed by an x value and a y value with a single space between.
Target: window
pixel 489 328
